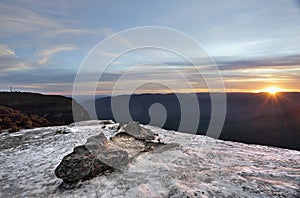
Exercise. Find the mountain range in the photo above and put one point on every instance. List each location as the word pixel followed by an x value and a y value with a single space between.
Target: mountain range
pixel 256 118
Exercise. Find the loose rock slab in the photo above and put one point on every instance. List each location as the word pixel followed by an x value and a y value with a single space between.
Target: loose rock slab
pixel 99 154
pixel 81 164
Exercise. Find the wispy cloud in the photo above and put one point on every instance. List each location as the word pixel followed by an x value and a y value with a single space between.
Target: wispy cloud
pixel 262 62
pixel 46 54
pixel 9 61
pixel 241 63
pixel 17 20
pixel 5 51
pixel 43 42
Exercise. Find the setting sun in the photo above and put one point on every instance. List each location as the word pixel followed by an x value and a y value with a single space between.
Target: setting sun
pixel 272 90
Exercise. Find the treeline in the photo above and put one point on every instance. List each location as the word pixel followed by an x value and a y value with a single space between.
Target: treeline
pixel 14 120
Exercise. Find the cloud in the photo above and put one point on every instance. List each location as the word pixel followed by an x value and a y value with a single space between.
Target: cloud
pixel 241 63
pixel 53 81
pixel 46 54
pixel 63 30
pixel 16 20
pixel 264 62
pixel 9 61
pixel 5 51
pixel 106 31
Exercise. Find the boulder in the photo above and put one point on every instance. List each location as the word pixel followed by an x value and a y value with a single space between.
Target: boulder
pixel 99 154
pixel 97 143
pixel 88 160
pixel 81 164
pixel 137 131
pixel 114 159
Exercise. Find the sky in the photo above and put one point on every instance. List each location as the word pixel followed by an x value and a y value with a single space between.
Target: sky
pixel 254 44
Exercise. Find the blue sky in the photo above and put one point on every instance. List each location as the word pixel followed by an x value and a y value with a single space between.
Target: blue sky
pixel 254 43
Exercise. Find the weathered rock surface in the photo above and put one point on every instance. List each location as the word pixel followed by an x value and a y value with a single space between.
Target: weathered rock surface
pixel 98 154
pixel 200 167
pixel 81 164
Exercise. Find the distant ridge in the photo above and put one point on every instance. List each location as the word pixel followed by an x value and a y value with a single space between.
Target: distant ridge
pixel 257 118
pixel 56 109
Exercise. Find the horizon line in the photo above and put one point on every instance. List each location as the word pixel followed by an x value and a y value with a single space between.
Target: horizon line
pixel 151 93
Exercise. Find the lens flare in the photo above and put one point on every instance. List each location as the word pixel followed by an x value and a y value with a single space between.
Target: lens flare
pixel 272 90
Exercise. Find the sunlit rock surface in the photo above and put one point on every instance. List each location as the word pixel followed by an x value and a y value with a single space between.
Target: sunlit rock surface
pixel 199 167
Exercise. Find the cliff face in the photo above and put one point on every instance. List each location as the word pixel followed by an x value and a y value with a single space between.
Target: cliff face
pixel 199 167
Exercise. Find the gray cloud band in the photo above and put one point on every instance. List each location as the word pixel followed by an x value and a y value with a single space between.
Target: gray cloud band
pixel 165 39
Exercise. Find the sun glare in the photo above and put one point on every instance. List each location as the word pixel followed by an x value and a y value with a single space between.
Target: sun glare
pixel 272 90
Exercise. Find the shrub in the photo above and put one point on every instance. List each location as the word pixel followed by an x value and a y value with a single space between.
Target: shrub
pixel 14 120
